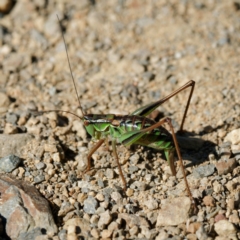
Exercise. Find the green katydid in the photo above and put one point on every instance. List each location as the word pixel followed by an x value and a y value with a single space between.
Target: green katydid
pixel 135 128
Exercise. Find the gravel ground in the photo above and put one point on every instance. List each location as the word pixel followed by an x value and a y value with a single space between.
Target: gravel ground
pixel 124 55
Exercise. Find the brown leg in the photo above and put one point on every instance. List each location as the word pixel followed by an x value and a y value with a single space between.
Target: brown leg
pixel 119 166
pixel 168 120
pixel 92 151
pixel 191 84
pixel 107 144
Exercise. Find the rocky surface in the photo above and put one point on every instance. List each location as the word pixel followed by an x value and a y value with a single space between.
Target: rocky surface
pixel 124 55
pixel 24 210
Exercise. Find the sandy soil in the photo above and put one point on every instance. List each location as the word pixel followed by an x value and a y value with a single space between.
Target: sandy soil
pixel 124 55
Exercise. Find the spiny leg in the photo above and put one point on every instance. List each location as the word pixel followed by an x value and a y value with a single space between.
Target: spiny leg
pixel 158 124
pixel 189 84
pixel 168 120
pixel 146 110
pixel 119 166
pixel 92 151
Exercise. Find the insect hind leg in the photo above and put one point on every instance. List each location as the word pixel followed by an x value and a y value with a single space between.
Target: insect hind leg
pixel 146 110
pixel 119 166
pixel 169 122
pixel 191 84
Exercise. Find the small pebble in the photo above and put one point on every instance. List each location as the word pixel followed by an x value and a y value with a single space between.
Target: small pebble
pixel 129 192
pixel 233 136
pixel 204 171
pixel 193 227
pixel 177 207
pixel 225 228
pixel 151 204
pixel 105 219
pixel 134 159
pixel 40 165
pixel 209 201
pixel 225 167
pixel 106 234
pixel 100 197
pixel 109 173
pixel 219 217
pixel 10 129
pixel 116 196
pixel 11 118
pixel 95 233
pixel 90 205
pixel 39 179
pixel 234 218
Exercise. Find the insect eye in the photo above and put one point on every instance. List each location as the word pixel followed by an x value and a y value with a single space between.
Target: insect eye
pixel 86 123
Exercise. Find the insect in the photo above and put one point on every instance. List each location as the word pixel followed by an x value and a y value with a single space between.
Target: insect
pixel 135 128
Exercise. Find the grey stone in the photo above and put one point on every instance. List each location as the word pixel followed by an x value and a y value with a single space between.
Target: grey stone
pixel 37 36
pixel 117 197
pixel 62 234
pixel 133 169
pixel 90 205
pixel 130 208
pixel 66 207
pixel 109 173
pixel 14 62
pixel 9 163
pixel 152 217
pixel 40 165
pixel 204 171
pixel 148 177
pixel 151 204
pixel 11 118
pixel 101 183
pixel 148 76
pixel 51 26
pixel 72 178
pixel 24 208
pixel 141 186
pixel 39 178
pixel 134 158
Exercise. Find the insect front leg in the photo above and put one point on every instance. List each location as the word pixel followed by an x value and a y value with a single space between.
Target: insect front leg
pixel 92 151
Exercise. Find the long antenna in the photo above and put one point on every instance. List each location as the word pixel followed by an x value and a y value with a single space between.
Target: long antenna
pixel 80 106
pixel 48 111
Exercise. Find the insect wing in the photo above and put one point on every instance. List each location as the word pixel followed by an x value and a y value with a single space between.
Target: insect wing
pixel 146 110
pixel 131 137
